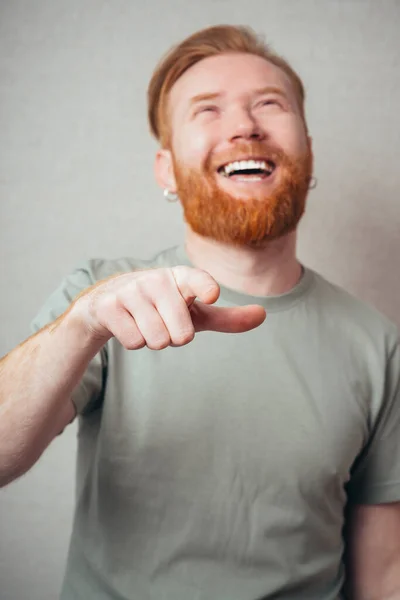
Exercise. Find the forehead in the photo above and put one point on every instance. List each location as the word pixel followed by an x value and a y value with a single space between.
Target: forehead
pixel 230 75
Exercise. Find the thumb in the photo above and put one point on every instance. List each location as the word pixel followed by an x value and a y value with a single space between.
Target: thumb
pixel 226 320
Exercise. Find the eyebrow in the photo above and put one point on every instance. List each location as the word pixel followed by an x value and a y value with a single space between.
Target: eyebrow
pixel 204 97
pixel 271 89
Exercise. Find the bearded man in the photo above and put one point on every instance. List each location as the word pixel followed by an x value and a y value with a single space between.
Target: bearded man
pixel 235 467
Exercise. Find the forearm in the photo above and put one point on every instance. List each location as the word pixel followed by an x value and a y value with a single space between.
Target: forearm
pixel 391 596
pixel 394 594
pixel 383 585
pixel 36 383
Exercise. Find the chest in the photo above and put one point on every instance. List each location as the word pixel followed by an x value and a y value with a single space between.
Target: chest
pixel 251 409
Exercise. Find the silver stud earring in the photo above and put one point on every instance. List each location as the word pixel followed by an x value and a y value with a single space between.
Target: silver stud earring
pixel 170 196
pixel 313 183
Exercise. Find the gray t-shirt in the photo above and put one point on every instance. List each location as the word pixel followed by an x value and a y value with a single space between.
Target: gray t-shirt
pixel 221 470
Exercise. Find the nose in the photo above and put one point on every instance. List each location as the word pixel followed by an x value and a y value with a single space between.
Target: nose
pixel 243 125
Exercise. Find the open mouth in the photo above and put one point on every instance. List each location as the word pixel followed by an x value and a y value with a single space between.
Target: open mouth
pixel 251 170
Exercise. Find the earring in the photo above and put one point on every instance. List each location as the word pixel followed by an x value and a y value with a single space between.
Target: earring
pixel 170 196
pixel 313 183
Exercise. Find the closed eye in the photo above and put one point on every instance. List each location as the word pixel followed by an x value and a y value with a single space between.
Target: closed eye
pixel 207 108
pixel 270 102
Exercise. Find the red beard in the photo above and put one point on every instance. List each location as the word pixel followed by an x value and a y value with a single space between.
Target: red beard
pixel 211 212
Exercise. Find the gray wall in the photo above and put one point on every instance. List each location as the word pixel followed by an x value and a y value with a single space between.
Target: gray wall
pixel 76 179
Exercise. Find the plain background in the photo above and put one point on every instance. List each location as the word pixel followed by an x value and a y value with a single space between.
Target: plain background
pixel 76 179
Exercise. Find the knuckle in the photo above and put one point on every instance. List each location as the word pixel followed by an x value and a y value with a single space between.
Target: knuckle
pixel 130 339
pixel 134 344
pixel 185 337
pixel 180 270
pixel 128 344
pixel 158 344
pixel 149 282
pixel 134 287
pixel 108 309
pixel 179 274
pixel 108 302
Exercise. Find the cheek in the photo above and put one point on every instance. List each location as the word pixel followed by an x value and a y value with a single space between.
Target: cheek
pixel 194 148
pixel 290 132
pixel 193 141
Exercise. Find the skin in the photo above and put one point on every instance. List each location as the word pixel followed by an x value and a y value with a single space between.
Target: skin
pixel 37 377
pixel 154 308
pixel 238 112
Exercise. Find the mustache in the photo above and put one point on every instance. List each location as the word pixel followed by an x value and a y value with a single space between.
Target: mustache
pixel 247 150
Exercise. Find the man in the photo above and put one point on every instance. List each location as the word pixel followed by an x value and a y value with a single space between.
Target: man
pixel 235 467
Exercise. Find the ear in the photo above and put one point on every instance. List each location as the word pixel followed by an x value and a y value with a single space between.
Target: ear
pixel 310 147
pixel 164 171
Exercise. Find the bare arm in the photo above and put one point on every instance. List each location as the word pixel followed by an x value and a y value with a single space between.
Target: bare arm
pixel 373 552
pixel 154 308
pixel 36 382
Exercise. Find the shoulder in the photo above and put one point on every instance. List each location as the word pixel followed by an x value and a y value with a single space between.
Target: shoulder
pixel 86 274
pixel 350 314
pixel 95 269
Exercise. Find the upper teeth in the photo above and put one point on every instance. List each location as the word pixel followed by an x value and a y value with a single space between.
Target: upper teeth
pixel 243 165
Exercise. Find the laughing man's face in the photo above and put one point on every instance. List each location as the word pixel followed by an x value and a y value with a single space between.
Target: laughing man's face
pixel 237 134
pixel 228 98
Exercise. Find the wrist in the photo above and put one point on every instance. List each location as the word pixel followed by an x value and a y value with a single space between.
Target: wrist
pixel 77 321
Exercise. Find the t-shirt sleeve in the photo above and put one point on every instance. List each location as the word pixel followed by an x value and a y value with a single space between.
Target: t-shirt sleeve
pixel 375 477
pixel 88 394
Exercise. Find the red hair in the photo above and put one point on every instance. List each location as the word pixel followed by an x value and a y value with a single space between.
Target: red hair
pixel 208 42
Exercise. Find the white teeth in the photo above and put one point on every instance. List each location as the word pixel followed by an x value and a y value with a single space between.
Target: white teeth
pixel 243 165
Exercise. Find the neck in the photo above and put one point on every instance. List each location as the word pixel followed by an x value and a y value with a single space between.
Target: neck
pixel 270 270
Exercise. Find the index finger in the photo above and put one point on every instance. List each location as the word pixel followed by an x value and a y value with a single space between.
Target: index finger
pixel 235 319
pixel 195 283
